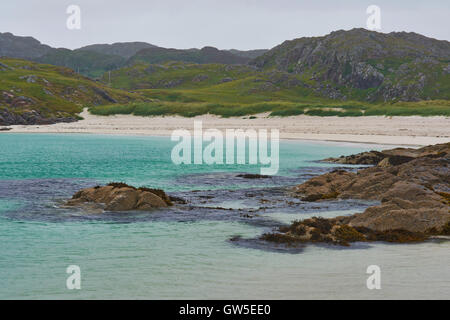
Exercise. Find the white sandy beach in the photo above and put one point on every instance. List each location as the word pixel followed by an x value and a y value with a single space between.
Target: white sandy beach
pixel 414 131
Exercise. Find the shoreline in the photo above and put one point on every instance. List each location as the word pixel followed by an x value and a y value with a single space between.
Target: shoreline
pixel 300 139
pixel 407 131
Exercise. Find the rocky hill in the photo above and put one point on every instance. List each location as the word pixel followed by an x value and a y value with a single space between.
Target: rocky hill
pixel 94 60
pixel 21 47
pixel 366 65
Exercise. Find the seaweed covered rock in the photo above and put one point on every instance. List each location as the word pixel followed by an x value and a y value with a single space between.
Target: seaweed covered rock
pixel 120 197
pixel 337 231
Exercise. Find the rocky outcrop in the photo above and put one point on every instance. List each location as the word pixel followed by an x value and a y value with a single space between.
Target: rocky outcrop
pixel 29 117
pixel 104 95
pixel 200 77
pixel 389 157
pixel 120 197
pixel 413 195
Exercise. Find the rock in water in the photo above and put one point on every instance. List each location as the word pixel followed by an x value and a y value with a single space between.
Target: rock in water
pixel 120 197
pixel 390 157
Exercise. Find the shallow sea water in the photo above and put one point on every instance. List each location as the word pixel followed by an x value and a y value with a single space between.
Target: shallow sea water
pixel 185 252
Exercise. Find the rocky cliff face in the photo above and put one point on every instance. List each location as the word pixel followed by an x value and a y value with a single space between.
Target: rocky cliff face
pixel 30 117
pixel 366 64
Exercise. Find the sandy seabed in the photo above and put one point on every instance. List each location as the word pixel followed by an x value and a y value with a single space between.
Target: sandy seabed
pixel 412 130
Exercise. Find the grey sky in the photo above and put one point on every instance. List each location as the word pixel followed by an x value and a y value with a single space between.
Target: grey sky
pixel 243 24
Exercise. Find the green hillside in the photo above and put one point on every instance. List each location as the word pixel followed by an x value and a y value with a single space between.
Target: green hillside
pixel 40 93
pixel 175 74
pixel 88 63
pixel 193 89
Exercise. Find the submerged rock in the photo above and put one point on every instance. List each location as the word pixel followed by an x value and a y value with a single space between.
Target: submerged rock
pixel 414 200
pixel 120 197
pixel 252 176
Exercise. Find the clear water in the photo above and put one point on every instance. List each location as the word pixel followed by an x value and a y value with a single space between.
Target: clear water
pixel 185 251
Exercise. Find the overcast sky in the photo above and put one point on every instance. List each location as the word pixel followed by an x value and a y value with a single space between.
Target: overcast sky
pixel 226 24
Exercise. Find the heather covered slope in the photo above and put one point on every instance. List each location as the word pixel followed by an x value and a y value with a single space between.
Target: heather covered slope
pixel 32 93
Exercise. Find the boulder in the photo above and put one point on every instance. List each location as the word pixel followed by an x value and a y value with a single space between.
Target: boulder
pixel 120 197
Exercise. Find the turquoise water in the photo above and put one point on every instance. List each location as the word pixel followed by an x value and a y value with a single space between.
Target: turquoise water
pixel 185 251
pixel 135 160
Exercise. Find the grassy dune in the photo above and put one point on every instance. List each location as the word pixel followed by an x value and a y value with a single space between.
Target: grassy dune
pixel 281 108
